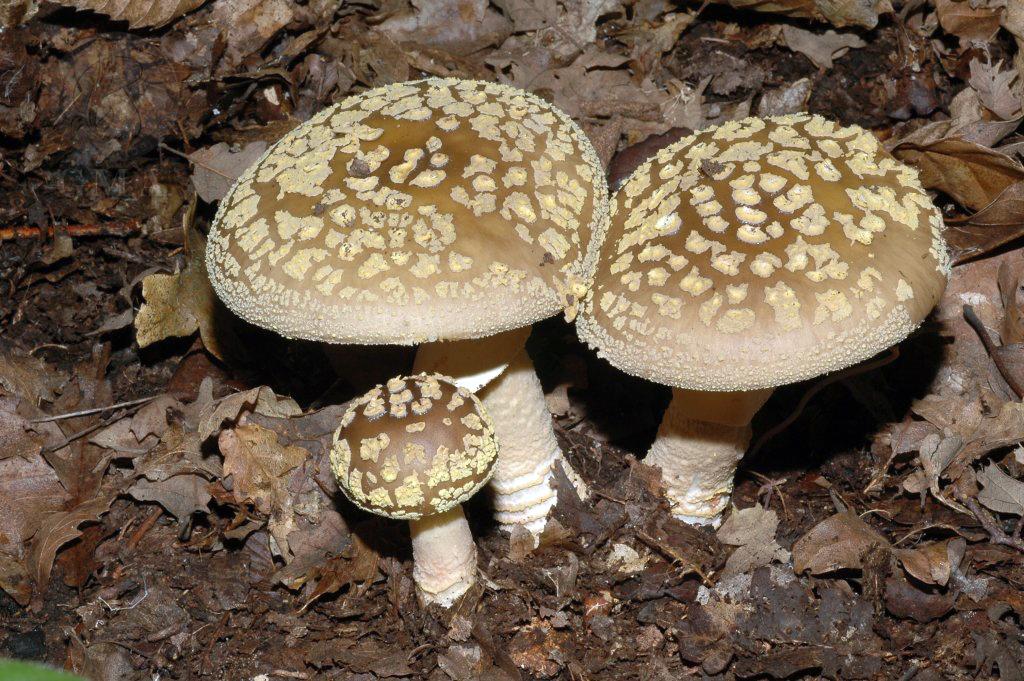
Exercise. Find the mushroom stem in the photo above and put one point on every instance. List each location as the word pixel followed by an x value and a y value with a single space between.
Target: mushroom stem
pixel 702 438
pixel 527 448
pixel 444 557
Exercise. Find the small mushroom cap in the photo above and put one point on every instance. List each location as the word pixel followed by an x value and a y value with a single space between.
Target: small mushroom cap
pixel 439 209
pixel 762 252
pixel 415 447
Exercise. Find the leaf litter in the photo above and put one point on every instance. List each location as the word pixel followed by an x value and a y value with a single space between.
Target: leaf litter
pixel 168 505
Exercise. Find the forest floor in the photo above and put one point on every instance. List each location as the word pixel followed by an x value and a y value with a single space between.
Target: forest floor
pixel 875 536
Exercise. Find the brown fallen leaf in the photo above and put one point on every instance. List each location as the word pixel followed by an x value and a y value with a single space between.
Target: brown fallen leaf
pixel 1000 492
pixel 16 435
pixel 752 532
pixel 246 26
pixel 58 529
pixel 258 465
pixel 216 168
pixel 933 563
pixel 138 13
pixel 1002 92
pixel 820 48
pixel 30 378
pixel 995 225
pixel 181 495
pixel 967 20
pixel 903 599
pixel 837 12
pixel 1011 291
pixel 179 304
pixel 261 400
pixel 458 27
pixel 836 543
pixel 970 173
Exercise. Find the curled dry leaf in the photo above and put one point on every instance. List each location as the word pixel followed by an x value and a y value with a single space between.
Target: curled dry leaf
pixel 969 21
pixel 836 543
pixel 29 377
pixel 820 48
pixel 836 12
pixel 179 304
pixel 904 600
pixel 138 13
pixel 258 465
pixel 1000 492
pixel 459 27
pixel 216 168
pixel 933 563
pixel 752 532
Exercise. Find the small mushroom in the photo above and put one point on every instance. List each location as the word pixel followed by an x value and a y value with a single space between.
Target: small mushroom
pixel 415 449
pixel 434 210
pixel 751 255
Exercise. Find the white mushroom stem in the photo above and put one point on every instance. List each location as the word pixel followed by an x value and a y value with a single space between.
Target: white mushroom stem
pixel 444 557
pixel 701 440
pixel 512 394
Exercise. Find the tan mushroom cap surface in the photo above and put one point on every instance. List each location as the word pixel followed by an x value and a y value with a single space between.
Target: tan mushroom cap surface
pixel 415 447
pixel 763 252
pixel 439 209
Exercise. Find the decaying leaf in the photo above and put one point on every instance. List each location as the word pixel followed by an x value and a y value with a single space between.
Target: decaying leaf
pixel 258 465
pixel 972 174
pixel 138 13
pixel 836 12
pixel 261 400
pixel 752 532
pixel 820 48
pixel 1000 492
pixel 179 304
pixel 969 21
pixel 836 543
pixel 459 27
pixel 217 167
pixel 58 529
pixel 933 563
pixel 29 377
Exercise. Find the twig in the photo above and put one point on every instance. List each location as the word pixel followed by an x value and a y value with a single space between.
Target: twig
pixel 861 368
pixel 993 351
pixel 145 527
pixel 996 534
pixel 116 228
pixel 95 410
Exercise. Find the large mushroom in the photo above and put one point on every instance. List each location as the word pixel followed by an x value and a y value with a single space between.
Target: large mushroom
pixel 415 449
pixel 435 210
pixel 751 255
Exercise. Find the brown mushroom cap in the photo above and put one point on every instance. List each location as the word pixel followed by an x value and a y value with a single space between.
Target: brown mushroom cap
pixel 415 447
pixel 762 252
pixel 439 209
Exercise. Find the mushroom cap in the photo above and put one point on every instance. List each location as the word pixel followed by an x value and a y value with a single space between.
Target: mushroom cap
pixel 762 252
pixel 415 447
pixel 439 209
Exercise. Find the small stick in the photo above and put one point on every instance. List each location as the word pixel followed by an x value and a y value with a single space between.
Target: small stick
pixel 145 527
pixel 116 228
pixel 993 351
pixel 95 410
pixel 996 534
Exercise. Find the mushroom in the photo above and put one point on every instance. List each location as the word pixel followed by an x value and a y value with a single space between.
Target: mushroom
pixel 415 449
pixel 751 255
pixel 434 210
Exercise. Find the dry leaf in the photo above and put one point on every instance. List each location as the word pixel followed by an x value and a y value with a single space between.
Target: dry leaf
pixel 458 27
pixel 836 543
pixel 246 26
pixel 261 400
pixel 258 465
pixel 181 495
pixel 933 563
pixel 1000 492
pixel 970 173
pixel 752 532
pixel 30 378
pixel 836 12
pixel 1002 92
pixel 179 304
pixel 216 168
pixel 820 48
pixel 58 529
pixel 16 435
pixel 1011 290
pixel 967 20
pixel 138 13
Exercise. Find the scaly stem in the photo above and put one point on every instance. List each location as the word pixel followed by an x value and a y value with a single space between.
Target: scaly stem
pixel 444 557
pixel 700 442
